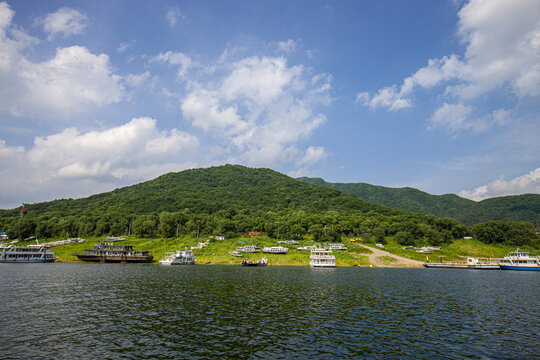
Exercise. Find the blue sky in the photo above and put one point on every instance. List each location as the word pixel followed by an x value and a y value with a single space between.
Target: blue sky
pixel 443 96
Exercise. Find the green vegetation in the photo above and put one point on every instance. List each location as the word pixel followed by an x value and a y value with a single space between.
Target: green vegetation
pixel 217 251
pixel 457 250
pixel 232 200
pixel 506 208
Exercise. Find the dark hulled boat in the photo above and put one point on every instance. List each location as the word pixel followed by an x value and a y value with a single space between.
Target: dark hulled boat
pixel 108 253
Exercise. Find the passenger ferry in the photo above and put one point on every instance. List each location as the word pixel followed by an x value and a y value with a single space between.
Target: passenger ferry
pixel 105 253
pixel 322 258
pixel 180 257
pixel 38 253
pixel 518 260
pixel 275 250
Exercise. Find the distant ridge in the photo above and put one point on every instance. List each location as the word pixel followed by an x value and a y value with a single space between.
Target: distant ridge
pixel 506 208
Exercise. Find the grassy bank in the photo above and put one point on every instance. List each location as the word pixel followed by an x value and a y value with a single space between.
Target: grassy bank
pixel 217 251
pixel 457 250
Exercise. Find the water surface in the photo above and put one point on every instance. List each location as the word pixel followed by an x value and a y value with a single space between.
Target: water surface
pixel 199 312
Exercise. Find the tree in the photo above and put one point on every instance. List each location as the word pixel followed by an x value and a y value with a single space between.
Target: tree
pixel 379 233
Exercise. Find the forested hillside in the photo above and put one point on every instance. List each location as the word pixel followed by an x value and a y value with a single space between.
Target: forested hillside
pixel 507 208
pixel 233 199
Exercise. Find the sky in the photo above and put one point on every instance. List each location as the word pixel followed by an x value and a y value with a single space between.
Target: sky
pixel 443 96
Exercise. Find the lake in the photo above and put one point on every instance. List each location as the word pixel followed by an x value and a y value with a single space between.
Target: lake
pixel 199 312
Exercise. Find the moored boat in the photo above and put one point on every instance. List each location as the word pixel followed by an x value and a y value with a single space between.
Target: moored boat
pixel 275 250
pixel 180 257
pixel 252 262
pixel 322 258
pixel 249 249
pixel 108 253
pixel 519 260
pixel 38 253
pixel 472 263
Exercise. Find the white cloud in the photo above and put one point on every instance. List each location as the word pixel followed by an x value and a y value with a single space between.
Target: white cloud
pixel 65 21
pixel 313 155
pixel 71 163
pixel 173 15
pixel 124 46
pixel 502 41
pixel 458 117
pixel 258 108
pixel 179 59
pixel 287 46
pixel 528 183
pixel 137 79
pixel 68 83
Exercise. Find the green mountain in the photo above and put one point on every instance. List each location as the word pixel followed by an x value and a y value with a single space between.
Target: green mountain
pixel 232 199
pixel 507 208
pixel 209 190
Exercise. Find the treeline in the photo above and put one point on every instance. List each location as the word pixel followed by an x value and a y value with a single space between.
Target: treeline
pixel 524 207
pixel 408 229
pixel 232 199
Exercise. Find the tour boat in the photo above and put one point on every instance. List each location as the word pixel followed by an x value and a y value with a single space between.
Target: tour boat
pixel 518 260
pixel 180 257
pixel 275 250
pixel 38 253
pixel 105 253
pixel 258 262
pixel 322 258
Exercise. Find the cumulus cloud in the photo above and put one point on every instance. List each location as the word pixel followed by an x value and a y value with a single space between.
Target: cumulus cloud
pixel 502 41
pixel 65 21
pixel 259 108
pixel 173 15
pixel 528 183
pixel 69 82
pixel 71 163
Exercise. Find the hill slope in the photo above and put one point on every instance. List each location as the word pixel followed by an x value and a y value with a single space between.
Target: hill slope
pixel 210 190
pixel 507 208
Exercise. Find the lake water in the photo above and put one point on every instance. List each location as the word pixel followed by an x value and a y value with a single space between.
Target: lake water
pixel 199 312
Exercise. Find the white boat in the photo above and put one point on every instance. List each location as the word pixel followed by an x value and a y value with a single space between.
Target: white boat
pixel 309 248
pixel 288 242
pixel 518 260
pixel 322 258
pixel 180 257
pixel 38 253
pixel 275 250
pixel 472 263
pixel 249 249
pixel 337 247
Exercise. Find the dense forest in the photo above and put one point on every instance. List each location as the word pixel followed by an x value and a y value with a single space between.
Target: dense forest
pixel 232 199
pixel 506 208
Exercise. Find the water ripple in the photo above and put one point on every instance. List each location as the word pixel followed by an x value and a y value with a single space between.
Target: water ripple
pixel 200 312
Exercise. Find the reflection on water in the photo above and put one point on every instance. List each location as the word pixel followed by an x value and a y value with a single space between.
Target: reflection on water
pixel 148 311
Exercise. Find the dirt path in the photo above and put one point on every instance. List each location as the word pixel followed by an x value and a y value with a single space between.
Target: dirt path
pixel 376 261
